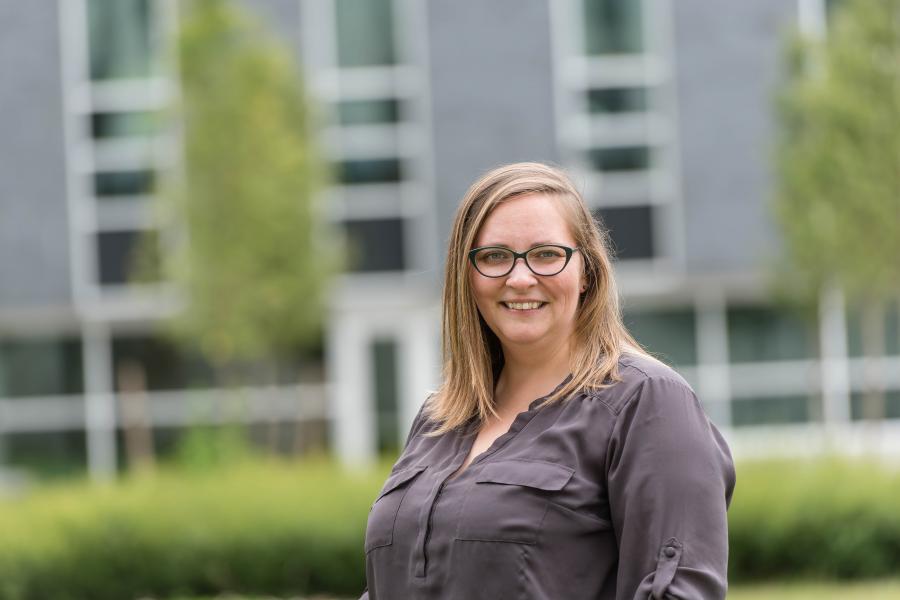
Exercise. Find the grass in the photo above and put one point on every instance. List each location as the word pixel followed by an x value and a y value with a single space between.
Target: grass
pixel 869 590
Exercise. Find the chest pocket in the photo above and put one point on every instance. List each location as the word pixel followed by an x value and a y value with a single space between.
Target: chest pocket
pixel 383 514
pixel 509 500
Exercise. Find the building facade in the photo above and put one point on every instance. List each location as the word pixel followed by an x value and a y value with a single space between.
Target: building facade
pixel 661 110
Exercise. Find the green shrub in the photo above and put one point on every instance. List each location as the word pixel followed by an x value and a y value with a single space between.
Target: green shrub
pixel 818 518
pixel 261 527
pixel 264 527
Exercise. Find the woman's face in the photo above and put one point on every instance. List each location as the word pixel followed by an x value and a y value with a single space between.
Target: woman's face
pixel 520 224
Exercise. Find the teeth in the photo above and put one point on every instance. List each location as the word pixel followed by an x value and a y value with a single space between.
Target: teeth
pixel 522 305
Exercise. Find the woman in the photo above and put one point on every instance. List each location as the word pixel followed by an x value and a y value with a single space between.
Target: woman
pixel 557 460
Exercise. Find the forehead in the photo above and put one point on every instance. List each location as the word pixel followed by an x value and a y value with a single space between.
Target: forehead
pixel 525 221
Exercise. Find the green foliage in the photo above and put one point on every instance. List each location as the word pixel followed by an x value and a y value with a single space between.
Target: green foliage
pixel 254 528
pixel 838 197
pixel 250 252
pixel 814 519
pixel 274 528
pixel 205 447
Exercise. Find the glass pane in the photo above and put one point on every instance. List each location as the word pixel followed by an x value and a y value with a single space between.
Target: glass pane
pixel 765 334
pixel 612 26
pixel 358 112
pixel 165 366
pixel 57 454
pixel 890 330
pixel 634 158
pixel 122 38
pixel 124 183
pixel 365 33
pixel 667 334
pixel 888 408
pixel 369 171
pixel 118 256
pixel 617 100
pixel 40 367
pixel 631 230
pixel 762 411
pixel 123 124
pixel 376 245
pixel 384 369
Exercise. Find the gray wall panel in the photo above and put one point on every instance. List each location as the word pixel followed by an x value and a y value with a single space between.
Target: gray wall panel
pixel 34 235
pixel 492 92
pixel 728 60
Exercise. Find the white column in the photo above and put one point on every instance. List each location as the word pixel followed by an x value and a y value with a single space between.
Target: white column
pixel 100 410
pixel 712 356
pixel 419 365
pixel 835 368
pixel 351 405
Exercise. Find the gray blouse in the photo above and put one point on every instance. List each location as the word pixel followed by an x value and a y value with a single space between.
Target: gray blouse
pixel 611 494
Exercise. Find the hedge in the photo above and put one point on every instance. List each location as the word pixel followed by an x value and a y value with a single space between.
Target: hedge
pixel 289 529
pixel 823 518
pixel 264 527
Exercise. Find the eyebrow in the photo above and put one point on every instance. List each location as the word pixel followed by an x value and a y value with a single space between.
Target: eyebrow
pixel 539 243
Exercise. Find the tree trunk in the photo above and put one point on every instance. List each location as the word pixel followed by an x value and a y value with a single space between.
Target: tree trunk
pixel 136 425
pixel 873 342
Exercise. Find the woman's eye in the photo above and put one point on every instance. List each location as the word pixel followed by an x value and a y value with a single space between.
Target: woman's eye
pixel 548 254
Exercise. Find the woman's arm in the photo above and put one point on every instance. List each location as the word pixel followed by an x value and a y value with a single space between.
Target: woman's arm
pixel 670 478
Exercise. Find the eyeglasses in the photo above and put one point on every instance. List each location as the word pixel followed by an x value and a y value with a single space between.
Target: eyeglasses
pixel 497 261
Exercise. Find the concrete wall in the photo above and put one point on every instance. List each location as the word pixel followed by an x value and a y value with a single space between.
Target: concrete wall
pixel 728 57
pixel 34 234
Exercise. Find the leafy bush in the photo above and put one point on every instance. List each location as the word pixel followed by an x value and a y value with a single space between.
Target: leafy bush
pixel 818 518
pixel 255 527
pixel 266 527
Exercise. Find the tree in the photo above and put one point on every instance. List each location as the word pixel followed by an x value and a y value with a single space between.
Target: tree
pixel 838 199
pixel 250 254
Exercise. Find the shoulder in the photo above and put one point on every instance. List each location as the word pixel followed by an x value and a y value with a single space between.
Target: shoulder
pixel 643 379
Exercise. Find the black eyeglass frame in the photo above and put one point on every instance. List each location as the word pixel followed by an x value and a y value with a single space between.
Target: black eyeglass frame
pixel 524 256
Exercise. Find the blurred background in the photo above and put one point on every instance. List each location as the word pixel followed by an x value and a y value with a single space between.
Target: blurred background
pixel 222 230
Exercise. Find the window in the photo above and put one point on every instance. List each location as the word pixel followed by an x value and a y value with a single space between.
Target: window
pixel 40 367
pixel 770 410
pixel 607 160
pixel 631 230
pixel 369 171
pixel 49 455
pixel 613 26
pixel 376 245
pixel 165 366
pixel 890 329
pixel 387 414
pixel 617 100
pixel 667 334
pixel 123 124
pixel 124 183
pixel 123 39
pixel 360 112
pixel 765 334
pixel 365 33
pixel 887 407
pixel 125 256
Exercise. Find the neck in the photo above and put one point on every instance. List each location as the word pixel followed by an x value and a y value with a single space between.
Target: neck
pixel 528 372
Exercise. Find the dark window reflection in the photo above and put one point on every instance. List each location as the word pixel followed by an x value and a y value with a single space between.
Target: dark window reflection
pixel 631 230
pixel 376 245
pixel 40 367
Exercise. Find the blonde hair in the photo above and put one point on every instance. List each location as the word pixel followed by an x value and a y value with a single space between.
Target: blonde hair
pixel 472 356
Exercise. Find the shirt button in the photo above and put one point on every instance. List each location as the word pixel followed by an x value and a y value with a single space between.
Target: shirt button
pixel 670 551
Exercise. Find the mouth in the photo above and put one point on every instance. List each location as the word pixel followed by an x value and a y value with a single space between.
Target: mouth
pixel 524 307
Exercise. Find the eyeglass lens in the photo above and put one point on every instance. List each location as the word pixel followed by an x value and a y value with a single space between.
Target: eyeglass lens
pixel 543 260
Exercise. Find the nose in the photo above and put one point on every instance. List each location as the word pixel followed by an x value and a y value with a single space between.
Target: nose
pixel 521 276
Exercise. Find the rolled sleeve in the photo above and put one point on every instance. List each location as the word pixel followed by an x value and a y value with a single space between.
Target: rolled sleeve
pixel 670 478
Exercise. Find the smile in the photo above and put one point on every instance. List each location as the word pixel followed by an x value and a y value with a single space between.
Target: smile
pixel 523 306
